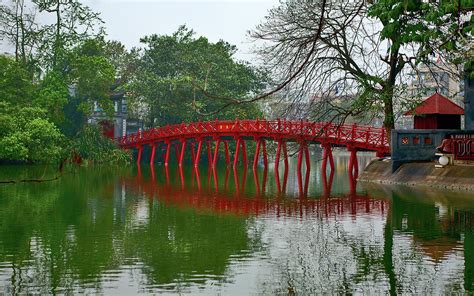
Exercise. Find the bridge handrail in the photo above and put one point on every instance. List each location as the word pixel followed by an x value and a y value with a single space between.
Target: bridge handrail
pixel 371 136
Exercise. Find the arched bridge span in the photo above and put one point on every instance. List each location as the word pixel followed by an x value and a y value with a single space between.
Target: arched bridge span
pixel 354 137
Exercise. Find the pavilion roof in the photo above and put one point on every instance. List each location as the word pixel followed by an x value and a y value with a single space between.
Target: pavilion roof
pixel 437 104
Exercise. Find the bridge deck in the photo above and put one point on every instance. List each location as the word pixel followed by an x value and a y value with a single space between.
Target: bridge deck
pixel 352 136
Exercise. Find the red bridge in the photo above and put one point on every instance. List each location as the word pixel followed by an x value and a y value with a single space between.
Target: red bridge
pixel 354 137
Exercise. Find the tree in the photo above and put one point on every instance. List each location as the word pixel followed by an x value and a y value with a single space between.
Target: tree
pixel 53 95
pixel 172 65
pixel 20 28
pixel 74 22
pixel 15 83
pixel 27 135
pixel 352 50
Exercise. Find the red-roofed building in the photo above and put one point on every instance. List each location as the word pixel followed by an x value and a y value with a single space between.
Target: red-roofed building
pixel 437 112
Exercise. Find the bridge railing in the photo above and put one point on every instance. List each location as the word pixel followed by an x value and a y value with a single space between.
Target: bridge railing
pixel 304 130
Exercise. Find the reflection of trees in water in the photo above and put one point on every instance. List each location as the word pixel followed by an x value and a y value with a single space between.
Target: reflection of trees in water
pixel 420 249
pixel 78 234
pixel 75 235
pixel 332 256
pixel 180 247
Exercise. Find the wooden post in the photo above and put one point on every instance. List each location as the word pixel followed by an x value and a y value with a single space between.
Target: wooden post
pixel 265 157
pixel 198 154
pixel 277 157
pixel 183 149
pixel 168 151
pixel 140 151
pixel 153 153
pixel 216 153
pixel 209 154
pixel 244 153
pixel 257 152
pixel 227 155
pixel 236 155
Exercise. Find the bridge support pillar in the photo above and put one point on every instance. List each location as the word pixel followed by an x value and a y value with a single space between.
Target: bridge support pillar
pixel 168 151
pixel 240 142
pixel 303 152
pixel 153 153
pixel 193 153
pixel 140 151
pixel 176 151
pixel 237 150
pixel 353 164
pixel 257 152
pixel 209 154
pixel 198 154
pixel 244 153
pixel 183 150
pixel 327 155
pixel 216 152
pixel 265 156
pixel 281 146
pixel 227 155
pixel 277 156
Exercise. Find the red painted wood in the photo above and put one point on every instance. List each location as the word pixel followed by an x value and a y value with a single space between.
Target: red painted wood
pixel 181 156
pixel 216 153
pixel 153 153
pixel 360 137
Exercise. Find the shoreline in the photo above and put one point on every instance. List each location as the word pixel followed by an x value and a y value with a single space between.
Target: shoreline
pixel 420 174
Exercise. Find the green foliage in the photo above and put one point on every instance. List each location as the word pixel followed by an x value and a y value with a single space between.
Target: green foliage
pixel 172 67
pixel 15 84
pixel 93 77
pixel 432 26
pixel 92 146
pixel 53 95
pixel 28 136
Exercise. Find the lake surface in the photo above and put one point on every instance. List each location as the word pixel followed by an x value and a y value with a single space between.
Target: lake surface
pixel 131 230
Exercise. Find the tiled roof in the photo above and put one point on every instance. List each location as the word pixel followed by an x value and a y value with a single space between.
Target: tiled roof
pixel 437 104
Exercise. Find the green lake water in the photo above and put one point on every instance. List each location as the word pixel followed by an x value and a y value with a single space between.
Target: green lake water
pixel 123 231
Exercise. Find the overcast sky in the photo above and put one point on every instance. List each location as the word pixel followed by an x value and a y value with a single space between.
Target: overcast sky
pixel 128 21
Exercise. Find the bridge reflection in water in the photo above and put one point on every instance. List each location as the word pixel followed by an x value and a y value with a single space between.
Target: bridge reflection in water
pixel 230 194
pixel 103 231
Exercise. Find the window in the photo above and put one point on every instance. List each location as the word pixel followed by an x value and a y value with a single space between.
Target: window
pixel 428 141
pixel 405 141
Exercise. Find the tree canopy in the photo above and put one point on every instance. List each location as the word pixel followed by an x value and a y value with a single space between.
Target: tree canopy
pixel 172 65
pixel 357 50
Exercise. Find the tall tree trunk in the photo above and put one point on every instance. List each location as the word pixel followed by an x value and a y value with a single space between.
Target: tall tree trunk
pixel 17 33
pixel 389 90
pixel 57 42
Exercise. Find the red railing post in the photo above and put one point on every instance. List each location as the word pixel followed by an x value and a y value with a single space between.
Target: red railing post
pixel 353 132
